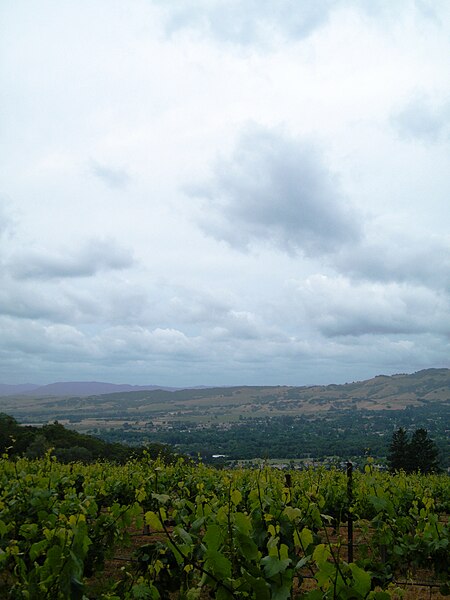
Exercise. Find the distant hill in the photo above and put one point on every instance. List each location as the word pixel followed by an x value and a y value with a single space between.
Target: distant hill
pixel 393 392
pixel 74 388
pixel 245 421
pixel 10 390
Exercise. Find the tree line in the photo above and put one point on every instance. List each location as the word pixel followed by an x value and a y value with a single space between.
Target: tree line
pixel 410 454
pixel 342 434
pixel 415 453
pixel 68 445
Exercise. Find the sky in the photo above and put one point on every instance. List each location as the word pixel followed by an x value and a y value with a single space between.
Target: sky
pixel 223 192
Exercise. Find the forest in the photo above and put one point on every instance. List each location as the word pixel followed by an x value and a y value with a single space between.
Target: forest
pixel 67 445
pixel 342 434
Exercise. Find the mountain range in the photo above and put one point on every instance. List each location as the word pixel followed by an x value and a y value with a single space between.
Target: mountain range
pixel 74 388
pixel 429 384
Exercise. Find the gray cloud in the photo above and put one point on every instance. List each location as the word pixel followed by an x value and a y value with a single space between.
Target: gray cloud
pixel 50 301
pixel 113 177
pixel 31 303
pixel 256 21
pixel 398 257
pixel 57 341
pixel 244 23
pixel 95 302
pixel 89 259
pixel 340 307
pixel 279 190
pixel 422 120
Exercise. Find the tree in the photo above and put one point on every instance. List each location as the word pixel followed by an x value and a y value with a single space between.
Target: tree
pixel 419 454
pixel 9 429
pixel 73 454
pixel 398 457
pixel 423 452
pixel 38 447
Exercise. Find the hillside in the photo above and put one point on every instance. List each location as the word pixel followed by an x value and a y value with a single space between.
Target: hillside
pixel 251 421
pixel 394 392
pixel 79 388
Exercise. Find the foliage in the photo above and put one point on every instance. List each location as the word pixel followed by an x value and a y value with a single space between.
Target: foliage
pixel 418 454
pixel 340 433
pixel 424 453
pixel 233 534
pixel 68 445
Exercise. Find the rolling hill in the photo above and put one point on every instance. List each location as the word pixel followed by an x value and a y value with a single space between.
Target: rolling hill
pixel 93 401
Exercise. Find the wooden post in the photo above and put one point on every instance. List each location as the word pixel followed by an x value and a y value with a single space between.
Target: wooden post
pixel 350 515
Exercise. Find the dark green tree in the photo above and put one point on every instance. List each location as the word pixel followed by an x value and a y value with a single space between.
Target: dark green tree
pixel 38 447
pixel 398 457
pixel 418 454
pixel 423 452
pixel 73 454
pixel 8 431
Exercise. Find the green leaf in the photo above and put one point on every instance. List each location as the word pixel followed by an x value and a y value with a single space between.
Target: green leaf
pixel 213 537
pixel 379 504
pixel 27 530
pixel 321 554
pixel 218 564
pixel 236 497
pixel 306 537
pixel 53 559
pixel 304 561
pixel 142 591
pixel 184 535
pixel 180 552
pixel 162 498
pixel 282 593
pixel 272 546
pixel 223 594
pixel 258 586
pixel 197 524
pixel 247 546
pixel 242 523
pixel 292 513
pixel 325 573
pixel 37 549
pixel 273 565
pixel 362 579
pixel 152 519
pixel 284 551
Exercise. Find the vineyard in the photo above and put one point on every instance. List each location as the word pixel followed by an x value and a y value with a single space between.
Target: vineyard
pixel 148 530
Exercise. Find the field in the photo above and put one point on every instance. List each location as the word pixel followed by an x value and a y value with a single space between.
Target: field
pixel 185 530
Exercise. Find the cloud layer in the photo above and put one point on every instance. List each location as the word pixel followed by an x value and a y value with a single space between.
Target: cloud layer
pixel 224 193
pixel 246 24
pixel 85 261
pixel 277 190
pixel 420 120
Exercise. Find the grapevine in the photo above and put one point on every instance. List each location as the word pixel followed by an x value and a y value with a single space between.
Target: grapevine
pixel 231 534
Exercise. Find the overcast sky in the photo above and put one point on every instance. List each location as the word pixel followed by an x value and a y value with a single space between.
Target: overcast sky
pixel 223 191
